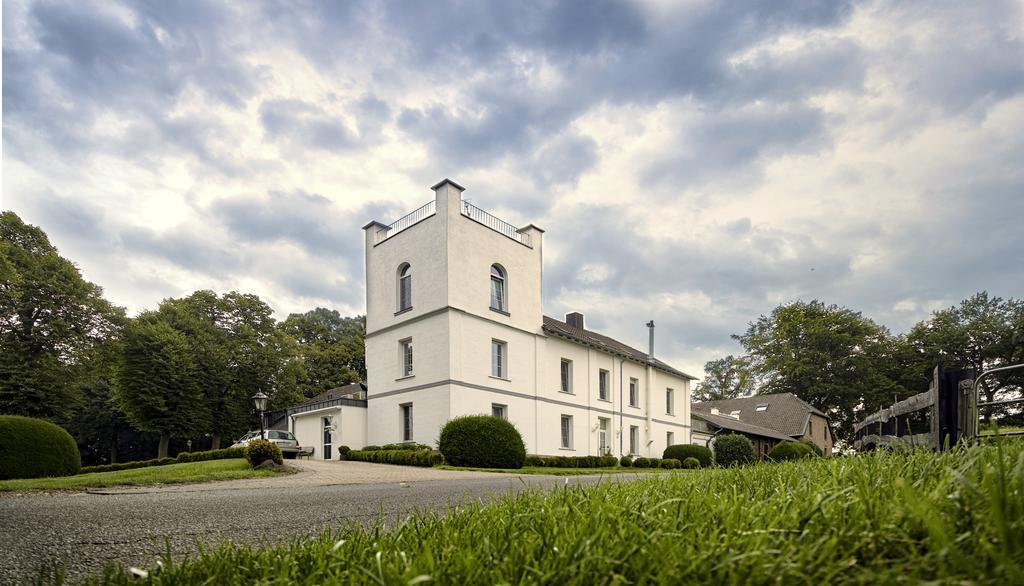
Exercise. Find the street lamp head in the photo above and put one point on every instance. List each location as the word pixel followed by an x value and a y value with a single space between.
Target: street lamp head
pixel 260 401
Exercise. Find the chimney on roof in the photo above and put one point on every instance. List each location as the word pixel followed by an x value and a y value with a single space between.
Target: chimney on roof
pixel 575 320
pixel 650 351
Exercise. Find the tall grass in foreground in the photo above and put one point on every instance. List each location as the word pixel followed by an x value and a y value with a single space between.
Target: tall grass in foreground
pixel 880 518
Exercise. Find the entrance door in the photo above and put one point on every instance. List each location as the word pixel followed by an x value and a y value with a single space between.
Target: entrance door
pixel 326 424
pixel 602 435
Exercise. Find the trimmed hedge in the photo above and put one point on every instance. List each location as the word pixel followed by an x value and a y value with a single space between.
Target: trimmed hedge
pixel 33 448
pixel 405 447
pixel 683 451
pixel 343 452
pixel 670 463
pixel 691 463
pixel 422 458
pixel 222 454
pixel 482 441
pixel 733 449
pixel 789 450
pixel 571 461
pixel 260 450
pixel 625 461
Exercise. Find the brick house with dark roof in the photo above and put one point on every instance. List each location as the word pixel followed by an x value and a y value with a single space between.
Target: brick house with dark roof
pixel 784 413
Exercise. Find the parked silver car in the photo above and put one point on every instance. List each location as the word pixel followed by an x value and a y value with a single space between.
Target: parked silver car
pixel 284 440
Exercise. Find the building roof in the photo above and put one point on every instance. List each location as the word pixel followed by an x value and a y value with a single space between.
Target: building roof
pixel 783 412
pixel 605 344
pixel 349 391
pixel 725 422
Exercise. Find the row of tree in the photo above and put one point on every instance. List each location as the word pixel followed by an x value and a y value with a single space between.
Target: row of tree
pixel 848 366
pixel 185 370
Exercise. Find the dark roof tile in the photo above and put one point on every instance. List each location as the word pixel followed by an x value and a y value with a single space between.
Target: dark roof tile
pixel 785 413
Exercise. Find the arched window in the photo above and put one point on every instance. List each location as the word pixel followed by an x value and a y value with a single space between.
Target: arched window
pixel 499 299
pixel 404 287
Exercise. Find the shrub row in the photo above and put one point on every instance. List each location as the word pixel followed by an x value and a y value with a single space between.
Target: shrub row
pixel 31 448
pixel 222 454
pixel 422 458
pixel 683 451
pixel 128 465
pixel 390 447
pixel 668 463
pixel 571 461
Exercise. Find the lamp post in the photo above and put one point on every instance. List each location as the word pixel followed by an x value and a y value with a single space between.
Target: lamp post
pixel 260 401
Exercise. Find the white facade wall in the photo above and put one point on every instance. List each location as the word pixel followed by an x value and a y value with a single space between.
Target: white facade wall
pixel 451 326
pixel 350 428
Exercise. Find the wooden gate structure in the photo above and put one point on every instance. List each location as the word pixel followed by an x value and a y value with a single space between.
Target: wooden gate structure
pixel 942 416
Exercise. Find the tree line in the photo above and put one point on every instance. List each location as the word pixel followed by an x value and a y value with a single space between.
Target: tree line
pixel 849 366
pixel 128 386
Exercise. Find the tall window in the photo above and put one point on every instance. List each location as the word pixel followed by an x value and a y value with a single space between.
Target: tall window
pixel 406 349
pixel 406 411
pixel 634 392
pixel 602 384
pixel 670 439
pixel 634 439
pixel 567 431
pixel 566 376
pixel 499 356
pixel 327 428
pixel 602 434
pixel 404 287
pixel 670 407
pixel 498 300
pixel 499 411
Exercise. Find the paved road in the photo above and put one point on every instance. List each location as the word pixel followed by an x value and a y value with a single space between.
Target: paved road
pixel 88 530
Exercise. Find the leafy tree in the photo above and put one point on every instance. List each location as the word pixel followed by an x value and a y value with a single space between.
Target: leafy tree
pixel 99 423
pixel 157 383
pixel 50 318
pixel 981 333
pixel 830 356
pixel 726 378
pixel 331 347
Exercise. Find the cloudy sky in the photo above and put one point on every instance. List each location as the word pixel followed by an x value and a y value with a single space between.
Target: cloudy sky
pixel 696 162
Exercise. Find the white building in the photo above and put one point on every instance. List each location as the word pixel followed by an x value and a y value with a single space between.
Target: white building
pixel 454 326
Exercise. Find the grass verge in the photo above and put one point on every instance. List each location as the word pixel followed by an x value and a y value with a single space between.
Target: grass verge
pixel 955 517
pixel 190 472
pixel 561 471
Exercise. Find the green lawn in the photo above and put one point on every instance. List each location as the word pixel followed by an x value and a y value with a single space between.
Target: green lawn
pixel 172 474
pixel 881 518
pixel 560 471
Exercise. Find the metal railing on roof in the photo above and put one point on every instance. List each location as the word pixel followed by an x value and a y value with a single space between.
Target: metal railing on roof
pixel 421 213
pixel 494 223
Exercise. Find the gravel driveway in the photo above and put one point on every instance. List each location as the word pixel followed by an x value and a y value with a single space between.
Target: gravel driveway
pixel 132 526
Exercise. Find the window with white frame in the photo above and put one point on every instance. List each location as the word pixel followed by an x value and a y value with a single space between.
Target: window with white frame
pixel 670 407
pixel 405 347
pixel 567 431
pixel 498 294
pixel 499 358
pixel 602 384
pixel 634 392
pixel 634 440
pixel 404 287
pixel 405 410
pixel 566 376
pixel 670 439
pixel 500 411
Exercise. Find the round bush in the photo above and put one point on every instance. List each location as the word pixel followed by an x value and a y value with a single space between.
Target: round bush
pixel 482 441
pixel 691 463
pixel 733 450
pixel 625 461
pixel 814 447
pixel 683 451
pixel 259 451
pixel 31 448
pixel 670 463
pixel 788 450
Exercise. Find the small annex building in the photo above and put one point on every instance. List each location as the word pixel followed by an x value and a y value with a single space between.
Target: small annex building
pixel 336 417
pixel 784 413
